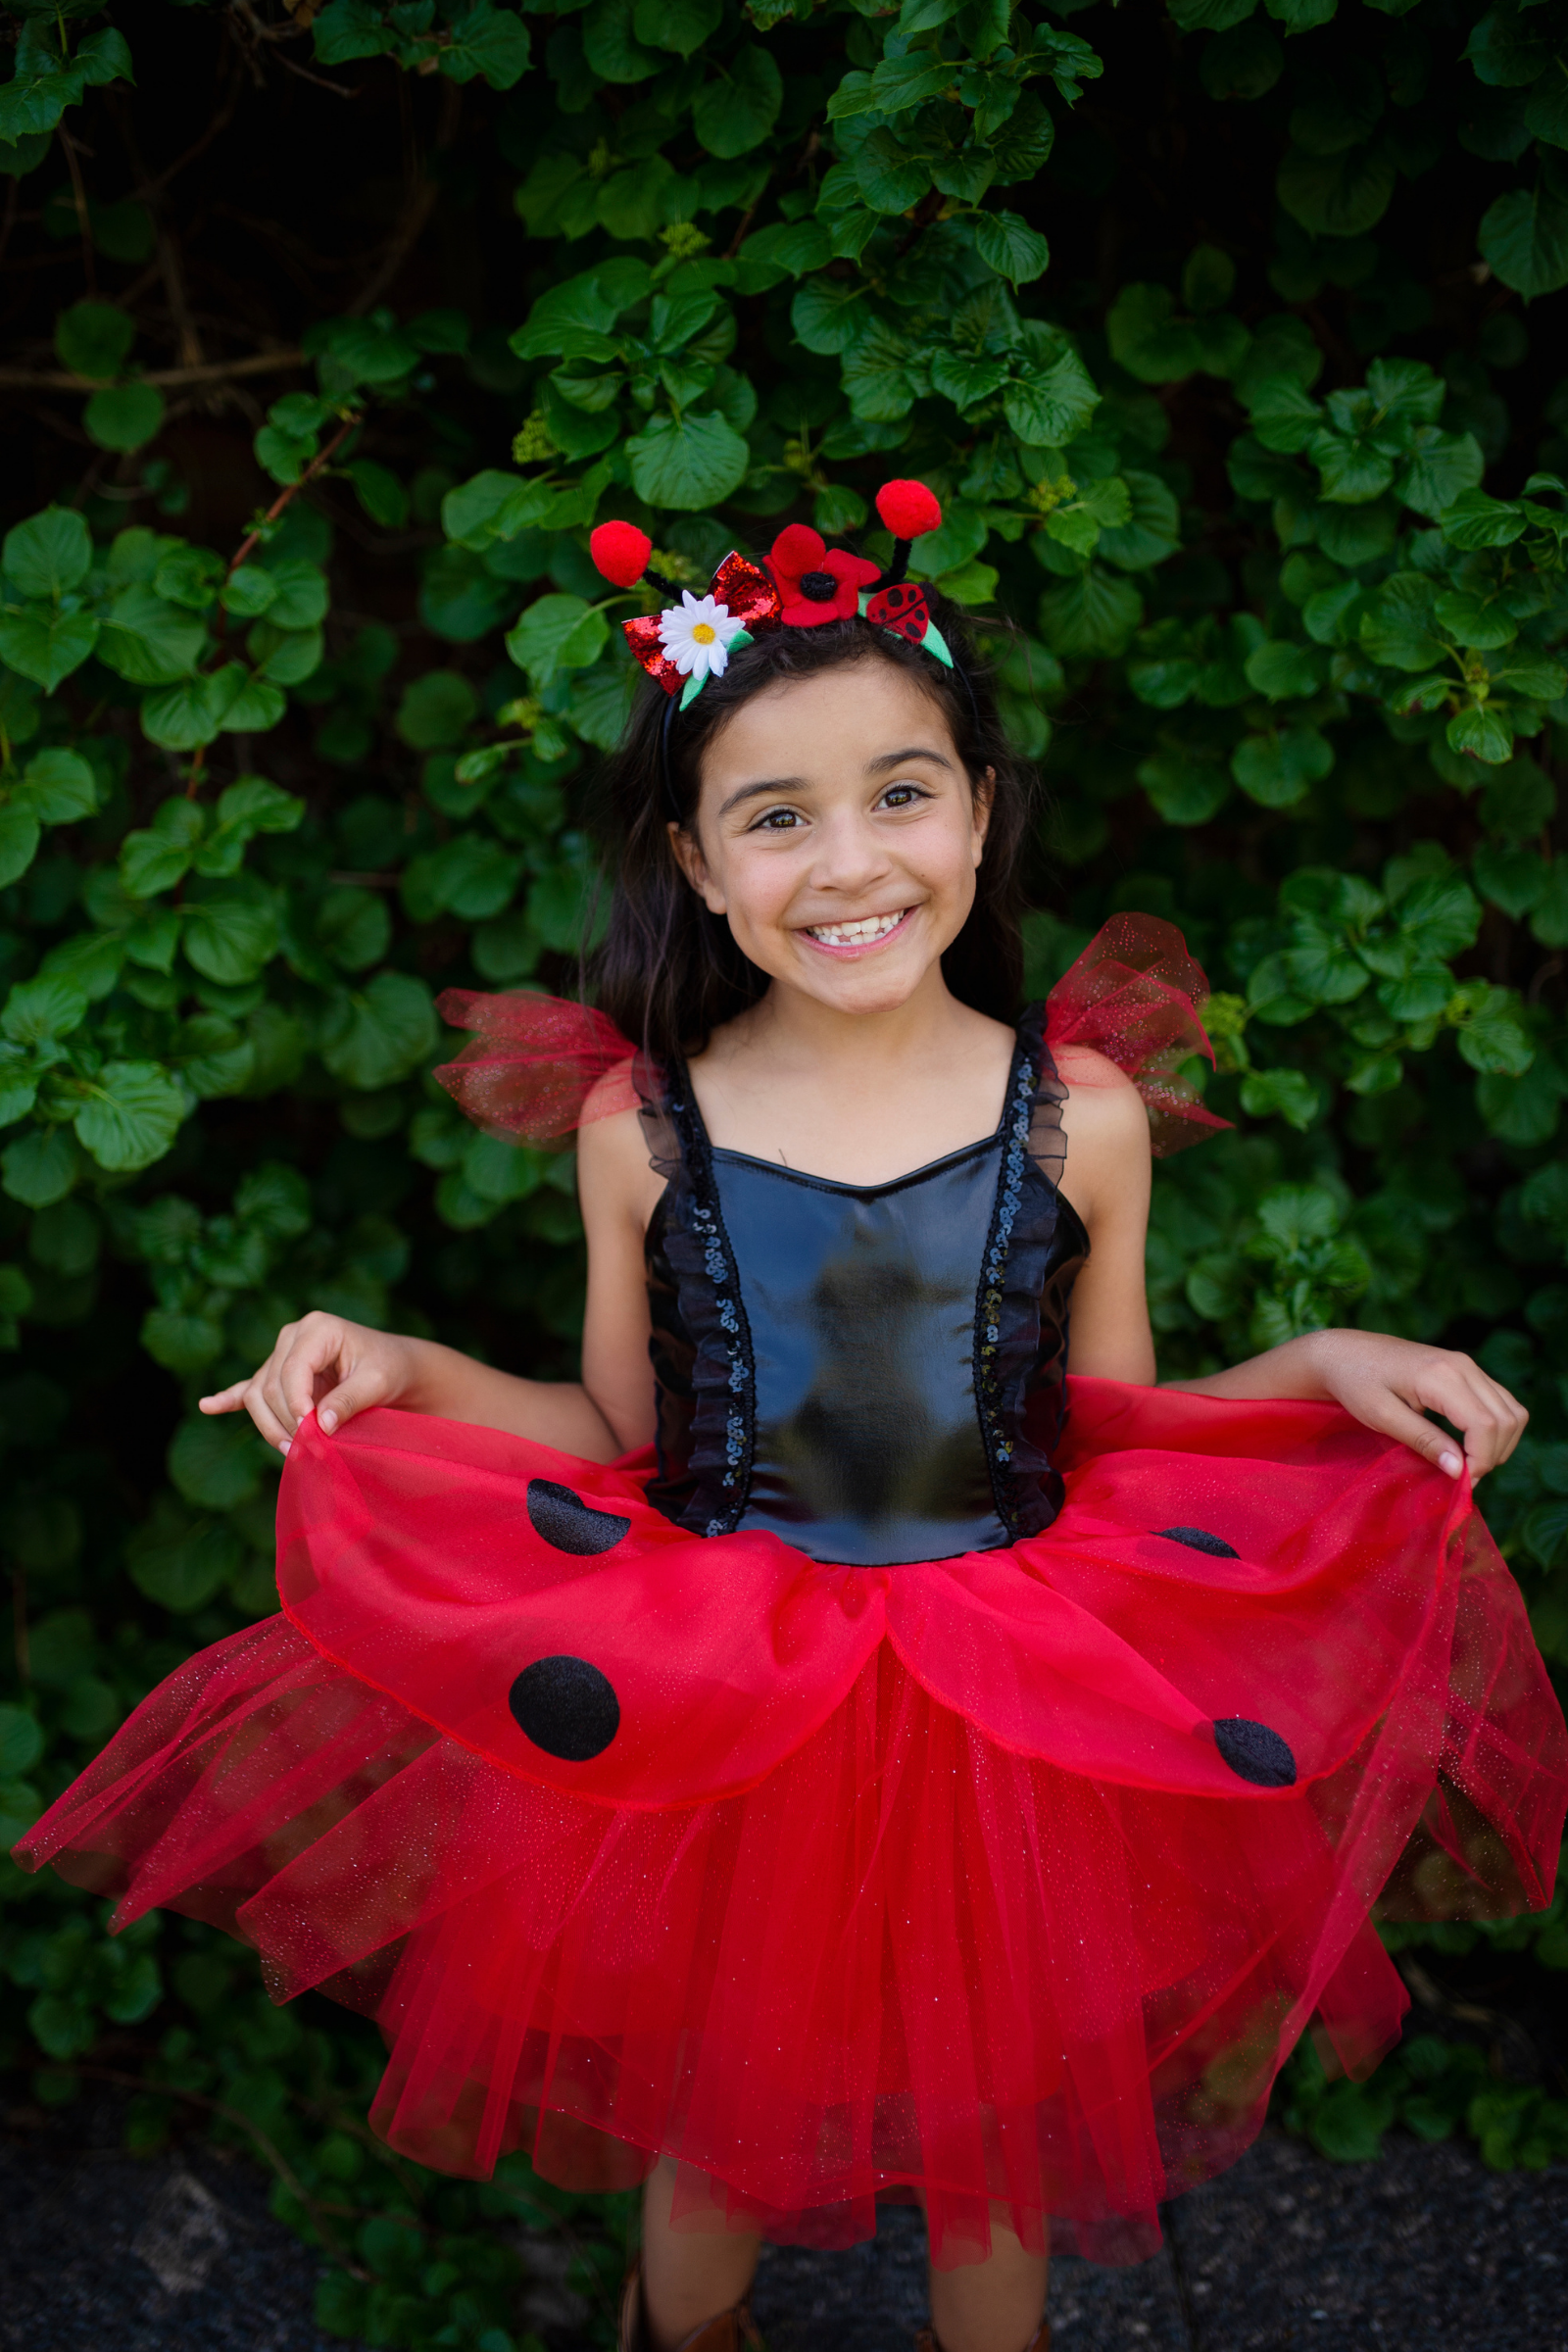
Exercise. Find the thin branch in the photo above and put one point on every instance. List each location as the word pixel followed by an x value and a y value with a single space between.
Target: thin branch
pixel 210 372
pixel 218 125
pixel 417 207
pixel 321 459
pixel 83 223
pixel 321 83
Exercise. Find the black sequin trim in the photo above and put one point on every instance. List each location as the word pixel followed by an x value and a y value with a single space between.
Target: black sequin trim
pixel 1254 1753
pixel 735 1440
pixel 1199 1538
pixel 1024 1486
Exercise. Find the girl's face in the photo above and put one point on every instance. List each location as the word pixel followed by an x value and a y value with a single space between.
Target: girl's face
pixel 837 832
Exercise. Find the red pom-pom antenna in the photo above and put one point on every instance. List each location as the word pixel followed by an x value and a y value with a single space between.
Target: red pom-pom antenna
pixel 620 550
pixel 908 508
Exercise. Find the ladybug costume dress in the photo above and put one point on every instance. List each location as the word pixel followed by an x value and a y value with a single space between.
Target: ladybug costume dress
pixel 924 1774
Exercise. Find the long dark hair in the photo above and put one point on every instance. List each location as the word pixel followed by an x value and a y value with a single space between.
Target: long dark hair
pixel 668 971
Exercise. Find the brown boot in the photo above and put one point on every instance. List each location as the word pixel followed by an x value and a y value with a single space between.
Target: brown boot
pixel 730 2331
pixel 1040 2341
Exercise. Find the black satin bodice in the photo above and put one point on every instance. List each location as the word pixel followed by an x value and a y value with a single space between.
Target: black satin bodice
pixel 871 1372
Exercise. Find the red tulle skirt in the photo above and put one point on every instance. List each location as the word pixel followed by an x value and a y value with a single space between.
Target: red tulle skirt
pixel 938 1881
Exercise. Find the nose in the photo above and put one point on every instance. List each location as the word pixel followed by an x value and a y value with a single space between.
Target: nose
pixel 851 854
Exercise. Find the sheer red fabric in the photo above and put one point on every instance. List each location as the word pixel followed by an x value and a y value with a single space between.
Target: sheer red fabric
pixel 923 1880
pixel 540 1066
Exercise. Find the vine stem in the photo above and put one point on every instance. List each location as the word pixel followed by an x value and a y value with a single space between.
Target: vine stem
pixel 252 538
pixel 264 2140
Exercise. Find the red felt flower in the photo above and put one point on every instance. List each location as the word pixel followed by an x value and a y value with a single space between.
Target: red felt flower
pixel 816 582
pixel 908 508
pixel 620 551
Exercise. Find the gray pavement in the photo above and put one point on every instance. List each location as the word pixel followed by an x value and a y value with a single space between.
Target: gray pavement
pixel 1424 2252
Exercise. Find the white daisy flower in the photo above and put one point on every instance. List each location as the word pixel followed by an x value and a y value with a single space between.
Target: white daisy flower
pixel 697 634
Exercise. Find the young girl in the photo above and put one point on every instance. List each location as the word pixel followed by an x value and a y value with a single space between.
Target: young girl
pixel 857 1761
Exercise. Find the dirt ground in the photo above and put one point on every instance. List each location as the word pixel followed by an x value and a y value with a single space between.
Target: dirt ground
pixel 1424 2252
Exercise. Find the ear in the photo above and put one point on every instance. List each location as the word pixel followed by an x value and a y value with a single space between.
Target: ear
pixel 688 853
pixel 985 799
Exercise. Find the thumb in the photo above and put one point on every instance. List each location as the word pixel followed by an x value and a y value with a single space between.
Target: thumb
pixel 1397 1419
pixel 362 1387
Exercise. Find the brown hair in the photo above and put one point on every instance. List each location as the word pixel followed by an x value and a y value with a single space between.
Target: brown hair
pixel 668 972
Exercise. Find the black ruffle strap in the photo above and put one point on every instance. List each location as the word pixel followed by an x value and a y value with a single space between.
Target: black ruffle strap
pixel 723 1422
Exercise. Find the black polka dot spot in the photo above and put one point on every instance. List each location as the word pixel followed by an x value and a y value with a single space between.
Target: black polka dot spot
pixel 566 1707
pixel 1253 1753
pixel 1199 1538
pixel 564 1520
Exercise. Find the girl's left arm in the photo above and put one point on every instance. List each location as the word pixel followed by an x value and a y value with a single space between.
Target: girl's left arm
pixel 1390 1385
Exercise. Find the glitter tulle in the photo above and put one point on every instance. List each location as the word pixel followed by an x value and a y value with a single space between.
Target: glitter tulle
pixel 929 1881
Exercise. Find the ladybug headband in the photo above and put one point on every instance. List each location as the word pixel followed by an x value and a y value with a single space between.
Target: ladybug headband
pixel 802 583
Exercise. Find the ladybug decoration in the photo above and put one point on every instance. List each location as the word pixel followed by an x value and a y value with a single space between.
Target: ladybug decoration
pixel 801 584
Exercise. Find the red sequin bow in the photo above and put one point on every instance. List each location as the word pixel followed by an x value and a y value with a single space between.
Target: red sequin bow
pixel 746 594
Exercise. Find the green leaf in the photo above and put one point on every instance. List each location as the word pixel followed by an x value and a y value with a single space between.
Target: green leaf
pixel 1278 768
pixel 218 1463
pixel 1208 278
pixel 381 1034
pixel 58 788
pixel 1442 465
pixel 1151 530
pixel 686 463
pixel 490 41
pixel 682 25
pixel 734 115
pixel 879 377
pixel 93 339
pixel 149 641
pixel 36 1010
pixel 347 30
pixel 1289 1094
pixel 232 929
pixel 1524 235
pixel 1147 339
pixel 353 928
pixel 179 1563
pixel 1245 62
pixel 1281 671
pixel 1484 731
pixel 46 645
pixel 18 843
pixel 1053 402
pixel 1182 789
pixel 1341 195
pixel 40 1168
pixel 1006 244
pixel 900 82
pixel 557 633
pixel 127 417
pixel 887 175
pixel 379 492
pixel 1093 615
pixel 437 709
pixel 21 1743
pixel 1475 520
pixel 131 1116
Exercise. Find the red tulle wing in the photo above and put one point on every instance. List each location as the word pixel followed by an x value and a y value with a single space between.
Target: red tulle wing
pixel 1135 996
pixel 539 1066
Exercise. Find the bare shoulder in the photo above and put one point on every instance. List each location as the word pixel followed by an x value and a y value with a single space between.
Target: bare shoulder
pixel 1108 1167
pixel 612 1171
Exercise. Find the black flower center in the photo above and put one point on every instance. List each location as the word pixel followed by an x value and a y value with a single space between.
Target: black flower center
pixel 818 587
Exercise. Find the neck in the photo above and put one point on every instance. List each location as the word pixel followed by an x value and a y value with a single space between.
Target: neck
pixel 799 1028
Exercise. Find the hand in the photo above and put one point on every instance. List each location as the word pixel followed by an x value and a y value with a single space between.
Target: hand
pixel 322 1364
pixel 1389 1384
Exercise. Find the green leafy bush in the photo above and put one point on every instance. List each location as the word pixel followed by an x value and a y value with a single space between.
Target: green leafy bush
pixel 1227 336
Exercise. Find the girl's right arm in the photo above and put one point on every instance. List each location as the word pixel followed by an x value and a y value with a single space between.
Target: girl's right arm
pixel 331 1367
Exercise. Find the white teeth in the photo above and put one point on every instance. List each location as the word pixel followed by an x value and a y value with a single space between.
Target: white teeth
pixel 857 935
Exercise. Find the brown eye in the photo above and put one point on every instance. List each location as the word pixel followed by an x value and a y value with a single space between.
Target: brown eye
pixel 902 796
pixel 778 820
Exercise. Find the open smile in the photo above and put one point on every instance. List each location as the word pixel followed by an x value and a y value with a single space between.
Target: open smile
pixel 858 938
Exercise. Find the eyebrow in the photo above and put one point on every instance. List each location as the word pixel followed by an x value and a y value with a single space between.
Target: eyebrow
pixel 769 785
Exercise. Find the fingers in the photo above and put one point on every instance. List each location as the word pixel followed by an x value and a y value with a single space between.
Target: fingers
pixel 362 1387
pixel 225 1400
pixel 316 1348
pixel 1382 1410
pixel 1492 1420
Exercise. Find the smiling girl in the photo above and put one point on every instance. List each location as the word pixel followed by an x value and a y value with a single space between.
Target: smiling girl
pixel 887 1750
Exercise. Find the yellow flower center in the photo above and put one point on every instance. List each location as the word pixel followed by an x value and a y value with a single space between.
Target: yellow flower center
pixel 704 632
